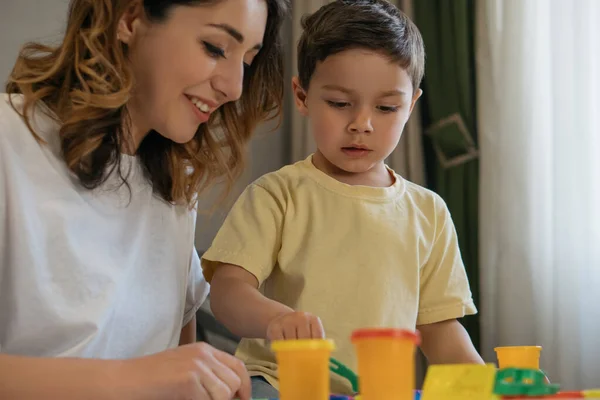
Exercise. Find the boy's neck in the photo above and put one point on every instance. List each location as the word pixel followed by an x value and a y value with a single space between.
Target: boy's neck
pixel 378 176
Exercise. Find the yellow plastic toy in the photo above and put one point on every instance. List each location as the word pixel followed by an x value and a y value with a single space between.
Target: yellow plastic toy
pixel 459 382
pixel 591 394
pixel 303 367
pixel 519 357
pixel 386 367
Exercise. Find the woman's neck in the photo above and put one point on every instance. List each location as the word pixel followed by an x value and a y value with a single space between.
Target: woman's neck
pixel 133 129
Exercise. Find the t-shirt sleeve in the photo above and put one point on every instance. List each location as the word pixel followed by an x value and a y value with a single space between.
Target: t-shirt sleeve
pixel 444 287
pixel 197 289
pixel 250 237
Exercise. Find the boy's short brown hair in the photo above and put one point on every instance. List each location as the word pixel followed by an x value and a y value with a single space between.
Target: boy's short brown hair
pixel 369 24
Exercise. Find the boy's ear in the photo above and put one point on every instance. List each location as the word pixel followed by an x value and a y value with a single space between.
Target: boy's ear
pixel 299 96
pixel 416 96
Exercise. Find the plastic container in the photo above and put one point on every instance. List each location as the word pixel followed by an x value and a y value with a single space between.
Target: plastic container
pixel 386 363
pixel 519 357
pixel 303 368
pixel 591 394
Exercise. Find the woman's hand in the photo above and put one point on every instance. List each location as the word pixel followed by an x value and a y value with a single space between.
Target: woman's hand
pixel 192 372
pixel 196 372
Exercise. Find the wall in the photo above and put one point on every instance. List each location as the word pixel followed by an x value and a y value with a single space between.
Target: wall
pixel 24 20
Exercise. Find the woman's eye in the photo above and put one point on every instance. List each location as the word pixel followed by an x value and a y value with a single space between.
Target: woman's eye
pixel 338 104
pixel 213 50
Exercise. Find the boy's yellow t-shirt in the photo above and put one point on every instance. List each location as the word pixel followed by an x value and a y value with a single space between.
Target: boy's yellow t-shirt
pixel 355 256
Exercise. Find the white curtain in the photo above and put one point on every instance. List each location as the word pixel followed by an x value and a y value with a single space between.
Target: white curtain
pixel 538 67
pixel 407 159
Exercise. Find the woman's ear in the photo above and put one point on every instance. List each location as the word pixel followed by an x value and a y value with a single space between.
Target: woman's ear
pixel 130 23
pixel 299 96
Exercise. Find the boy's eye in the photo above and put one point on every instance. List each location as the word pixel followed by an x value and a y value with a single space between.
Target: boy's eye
pixel 387 109
pixel 338 104
pixel 213 50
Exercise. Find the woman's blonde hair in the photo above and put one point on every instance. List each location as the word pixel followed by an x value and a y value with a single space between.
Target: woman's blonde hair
pixel 86 83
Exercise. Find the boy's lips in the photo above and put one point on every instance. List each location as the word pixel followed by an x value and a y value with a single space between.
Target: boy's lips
pixel 357 147
pixel 356 150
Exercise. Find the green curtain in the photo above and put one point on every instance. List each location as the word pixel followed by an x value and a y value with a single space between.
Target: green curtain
pixel 448 27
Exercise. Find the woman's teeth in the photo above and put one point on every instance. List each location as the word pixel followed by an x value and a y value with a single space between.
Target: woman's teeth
pixel 201 106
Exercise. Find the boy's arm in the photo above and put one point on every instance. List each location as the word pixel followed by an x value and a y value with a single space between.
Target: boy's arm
pixel 246 312
pixel 237 303
pixel 448 342
pixel 242 256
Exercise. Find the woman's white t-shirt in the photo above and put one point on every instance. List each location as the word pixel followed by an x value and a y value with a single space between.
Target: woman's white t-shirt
pixel 104 273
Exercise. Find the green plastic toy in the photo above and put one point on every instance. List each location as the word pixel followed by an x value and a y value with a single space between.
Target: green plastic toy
pixel 523 382
pixel 345 372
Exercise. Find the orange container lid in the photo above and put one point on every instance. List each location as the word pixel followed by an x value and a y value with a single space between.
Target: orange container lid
pixel 386 333
pixel 566 395
pixel 517 348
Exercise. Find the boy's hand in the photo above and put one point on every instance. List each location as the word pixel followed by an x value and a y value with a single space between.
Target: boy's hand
pixel 295 325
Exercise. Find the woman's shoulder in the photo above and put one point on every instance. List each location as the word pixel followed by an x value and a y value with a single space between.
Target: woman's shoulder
pixel 9 116
pixel 14 131
pixel 12 124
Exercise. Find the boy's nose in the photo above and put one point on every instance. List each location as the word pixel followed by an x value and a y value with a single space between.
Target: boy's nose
pixel 361 123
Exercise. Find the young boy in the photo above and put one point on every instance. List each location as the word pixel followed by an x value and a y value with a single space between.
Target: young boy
pixel 339 241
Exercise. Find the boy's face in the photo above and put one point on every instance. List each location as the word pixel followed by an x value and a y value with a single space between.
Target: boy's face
pixel 358 103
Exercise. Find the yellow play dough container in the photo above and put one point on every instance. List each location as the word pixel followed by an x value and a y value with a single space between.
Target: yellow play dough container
pixel 386 363
pixel 591 394
pixel 303 368
pixel 519 357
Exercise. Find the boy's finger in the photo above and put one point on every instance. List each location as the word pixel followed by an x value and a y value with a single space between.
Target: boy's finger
pixel 316 329
pixel 303 330
pixel 276 334
pixel 289 332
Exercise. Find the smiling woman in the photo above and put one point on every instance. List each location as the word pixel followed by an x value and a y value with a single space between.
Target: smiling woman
pixel 137 81
pixel 106 142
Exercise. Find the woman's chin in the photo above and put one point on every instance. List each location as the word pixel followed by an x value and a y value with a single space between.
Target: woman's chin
pixel 183 138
